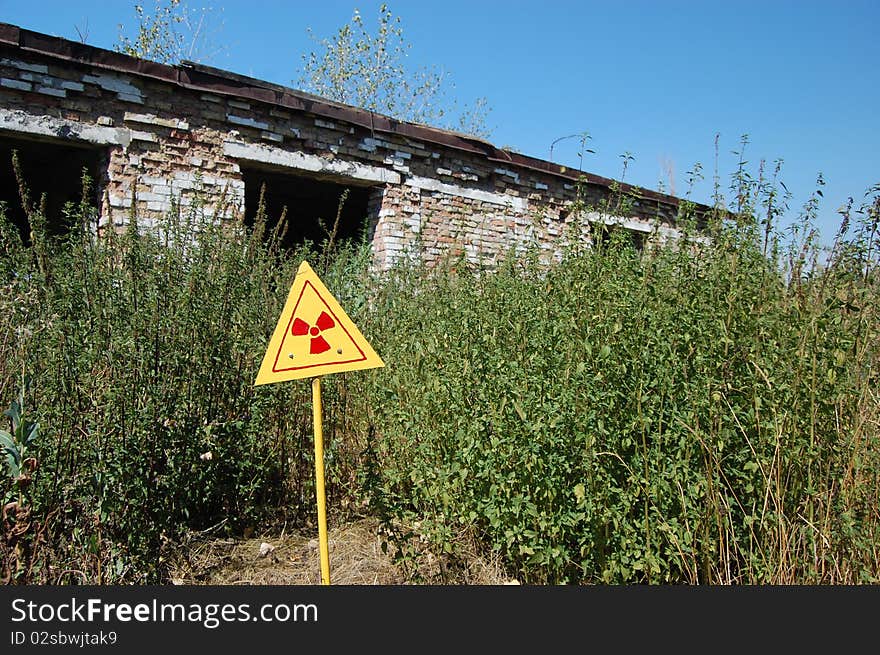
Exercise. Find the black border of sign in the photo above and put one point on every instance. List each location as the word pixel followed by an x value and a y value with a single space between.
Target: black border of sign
pixel 477 618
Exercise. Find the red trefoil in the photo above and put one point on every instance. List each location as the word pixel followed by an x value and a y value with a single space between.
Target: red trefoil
pixel 319 344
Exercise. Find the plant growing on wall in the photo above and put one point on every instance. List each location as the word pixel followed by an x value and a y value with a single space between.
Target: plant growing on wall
pixel 364 68
pixel 171 33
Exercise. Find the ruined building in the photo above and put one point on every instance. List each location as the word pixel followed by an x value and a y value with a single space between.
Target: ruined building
pixel 153 134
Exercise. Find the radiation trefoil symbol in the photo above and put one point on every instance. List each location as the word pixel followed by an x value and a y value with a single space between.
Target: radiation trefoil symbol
pixel 303 346
pixel 318 344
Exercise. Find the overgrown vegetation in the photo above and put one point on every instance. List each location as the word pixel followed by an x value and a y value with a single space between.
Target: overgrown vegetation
pixel 140 351
pixel 701 413
pixel 683 417
pixel 172 32
pixel 367 68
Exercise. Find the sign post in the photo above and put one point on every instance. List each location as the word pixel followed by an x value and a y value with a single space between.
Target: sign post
pixel 319 481
pixel 315 337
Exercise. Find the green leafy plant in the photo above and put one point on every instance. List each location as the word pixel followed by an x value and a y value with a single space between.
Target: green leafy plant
pixel 172 32
pixel 700 413
pixel 17 443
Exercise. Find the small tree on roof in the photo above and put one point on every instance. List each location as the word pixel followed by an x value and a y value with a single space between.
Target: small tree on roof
pixel 366 69
pixel 171 33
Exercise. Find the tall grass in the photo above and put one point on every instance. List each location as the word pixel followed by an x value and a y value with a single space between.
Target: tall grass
pixel 136 352
pixel 701 413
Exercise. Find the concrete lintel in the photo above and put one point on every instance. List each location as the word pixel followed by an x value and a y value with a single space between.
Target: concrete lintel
pixel 430 184
pixel 630 224
pixel 306 162
pixel 16 120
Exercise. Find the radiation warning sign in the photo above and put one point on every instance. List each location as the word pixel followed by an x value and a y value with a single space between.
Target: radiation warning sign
pixel 314 336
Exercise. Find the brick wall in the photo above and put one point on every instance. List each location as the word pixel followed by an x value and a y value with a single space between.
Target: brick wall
pixel 186 132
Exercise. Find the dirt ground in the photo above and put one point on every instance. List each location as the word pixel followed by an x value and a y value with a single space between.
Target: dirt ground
pixel 356 558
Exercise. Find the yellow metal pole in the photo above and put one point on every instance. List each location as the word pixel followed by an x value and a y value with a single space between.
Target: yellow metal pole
pixel 319 481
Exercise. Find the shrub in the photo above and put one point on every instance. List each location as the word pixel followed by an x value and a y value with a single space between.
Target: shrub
pixel 690 415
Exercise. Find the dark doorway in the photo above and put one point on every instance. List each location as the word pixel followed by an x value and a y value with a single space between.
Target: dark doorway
pixel 51 168
pixel 312 205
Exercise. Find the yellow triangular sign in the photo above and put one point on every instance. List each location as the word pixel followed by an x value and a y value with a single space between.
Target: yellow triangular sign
pixel 314 336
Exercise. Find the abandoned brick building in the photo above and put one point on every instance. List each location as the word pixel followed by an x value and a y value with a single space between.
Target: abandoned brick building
pixel 150 133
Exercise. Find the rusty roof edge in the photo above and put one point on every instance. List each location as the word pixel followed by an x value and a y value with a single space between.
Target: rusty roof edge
pixel 366 116
pixel 83 53
pixel 569 173
pixel 375 122
pixel 222 82
pixel 9 34
pixel 291 98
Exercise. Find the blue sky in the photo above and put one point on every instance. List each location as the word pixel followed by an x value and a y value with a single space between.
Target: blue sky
pixel 656 79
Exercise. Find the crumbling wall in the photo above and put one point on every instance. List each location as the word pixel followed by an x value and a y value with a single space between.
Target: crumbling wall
pixel 172 141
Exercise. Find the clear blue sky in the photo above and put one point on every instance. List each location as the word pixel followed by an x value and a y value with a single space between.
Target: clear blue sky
pixel 657 79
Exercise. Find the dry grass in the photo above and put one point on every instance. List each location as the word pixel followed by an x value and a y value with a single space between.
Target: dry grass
pixel 356 558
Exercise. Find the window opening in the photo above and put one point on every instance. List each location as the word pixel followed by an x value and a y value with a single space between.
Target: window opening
pixel 312 205
pixel 52 168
